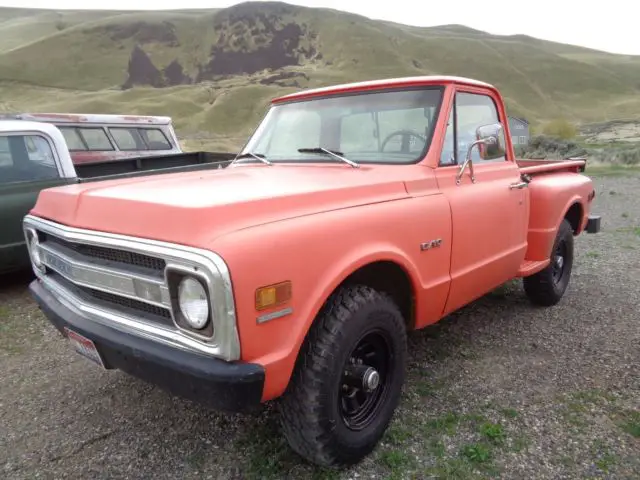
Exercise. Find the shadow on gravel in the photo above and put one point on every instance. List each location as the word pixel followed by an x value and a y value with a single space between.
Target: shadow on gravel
pixel 15 282
pixel 434 352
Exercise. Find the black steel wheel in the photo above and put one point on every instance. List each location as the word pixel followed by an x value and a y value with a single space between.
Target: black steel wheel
pixel 348 380
pixel 365 380
pixel 547 287
pixel 558 261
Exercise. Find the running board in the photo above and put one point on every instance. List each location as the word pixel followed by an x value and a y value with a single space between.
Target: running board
pixel 529 267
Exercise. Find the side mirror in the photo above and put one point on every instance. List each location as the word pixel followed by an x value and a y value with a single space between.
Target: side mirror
pixel 492 138
pixel 490 142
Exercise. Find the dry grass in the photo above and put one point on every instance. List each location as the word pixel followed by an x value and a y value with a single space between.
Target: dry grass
pixel 71 61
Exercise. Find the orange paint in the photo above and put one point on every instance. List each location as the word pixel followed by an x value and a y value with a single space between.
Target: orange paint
pixel 315 224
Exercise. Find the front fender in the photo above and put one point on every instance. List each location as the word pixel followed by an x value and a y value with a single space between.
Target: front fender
pixel 317 253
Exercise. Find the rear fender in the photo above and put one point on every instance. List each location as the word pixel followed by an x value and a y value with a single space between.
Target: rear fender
pixel 552 196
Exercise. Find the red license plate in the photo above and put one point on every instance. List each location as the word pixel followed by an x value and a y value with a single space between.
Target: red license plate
pixel 84 347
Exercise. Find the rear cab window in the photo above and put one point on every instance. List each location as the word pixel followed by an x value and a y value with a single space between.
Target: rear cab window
pixel 26 158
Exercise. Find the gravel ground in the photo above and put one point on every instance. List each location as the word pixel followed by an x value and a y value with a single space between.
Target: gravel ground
pixel 499 389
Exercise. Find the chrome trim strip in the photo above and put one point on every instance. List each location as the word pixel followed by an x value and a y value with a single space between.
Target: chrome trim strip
pixel 101 278
pixel 225 342
pixel 274 315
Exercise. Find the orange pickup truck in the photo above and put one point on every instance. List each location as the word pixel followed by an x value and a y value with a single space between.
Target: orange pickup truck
pixel 353 215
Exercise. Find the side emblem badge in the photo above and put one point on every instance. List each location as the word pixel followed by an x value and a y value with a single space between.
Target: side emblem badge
pixel 429 245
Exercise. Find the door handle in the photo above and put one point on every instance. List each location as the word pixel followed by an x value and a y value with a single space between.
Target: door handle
pixel 518 185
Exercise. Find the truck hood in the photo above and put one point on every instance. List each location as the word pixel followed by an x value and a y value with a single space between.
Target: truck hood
pixel 196 207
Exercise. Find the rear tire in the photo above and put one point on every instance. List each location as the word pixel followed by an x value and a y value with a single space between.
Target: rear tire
pixel 548 286
pixel 333 413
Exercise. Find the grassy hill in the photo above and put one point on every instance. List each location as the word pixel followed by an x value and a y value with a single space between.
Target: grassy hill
pixel 214 71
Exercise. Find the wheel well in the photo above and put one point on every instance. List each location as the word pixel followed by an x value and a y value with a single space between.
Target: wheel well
pixel 574 217
pixel 392 279
pixel 383 276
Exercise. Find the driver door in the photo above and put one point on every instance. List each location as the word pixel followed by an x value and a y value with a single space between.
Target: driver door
pixel 489 216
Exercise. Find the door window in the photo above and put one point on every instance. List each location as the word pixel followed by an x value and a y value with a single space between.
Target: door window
pixel 448 155
pixel 25 158
pixel 472 111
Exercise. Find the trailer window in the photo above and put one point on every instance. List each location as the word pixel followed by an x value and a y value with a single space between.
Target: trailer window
pixel 155 139
pixel 96 139
pixel 127 138
pixel 72 137
pixel 86 138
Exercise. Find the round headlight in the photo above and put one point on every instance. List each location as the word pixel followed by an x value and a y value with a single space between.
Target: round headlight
pixel 34 249
pixel 192 299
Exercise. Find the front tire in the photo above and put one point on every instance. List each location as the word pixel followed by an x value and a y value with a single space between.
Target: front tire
pixel 547 287
pixel 348 380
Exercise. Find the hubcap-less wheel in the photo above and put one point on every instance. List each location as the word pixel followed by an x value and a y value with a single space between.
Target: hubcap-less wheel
pixel 558 262
pixel 345 390
pixel 365 380
pixel 547 287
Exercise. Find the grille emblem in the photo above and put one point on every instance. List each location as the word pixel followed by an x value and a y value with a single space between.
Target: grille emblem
pixel 430 244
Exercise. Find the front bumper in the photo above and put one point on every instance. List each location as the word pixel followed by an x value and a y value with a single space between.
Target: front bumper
pixel 210 381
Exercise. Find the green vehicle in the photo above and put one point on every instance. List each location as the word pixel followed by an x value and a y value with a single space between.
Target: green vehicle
pixel 34 156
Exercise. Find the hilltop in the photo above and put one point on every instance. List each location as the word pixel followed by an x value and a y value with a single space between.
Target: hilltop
pixel 215 70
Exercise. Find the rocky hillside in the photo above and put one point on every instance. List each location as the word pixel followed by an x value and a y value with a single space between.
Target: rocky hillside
pixel 191 64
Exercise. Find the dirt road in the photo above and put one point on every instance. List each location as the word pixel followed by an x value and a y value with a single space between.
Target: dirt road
pixel 498 389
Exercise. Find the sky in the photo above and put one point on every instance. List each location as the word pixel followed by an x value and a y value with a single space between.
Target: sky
pixel 607 26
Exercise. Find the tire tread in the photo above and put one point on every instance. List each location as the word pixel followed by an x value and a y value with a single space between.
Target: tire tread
pixel 540 287
pixel 302 418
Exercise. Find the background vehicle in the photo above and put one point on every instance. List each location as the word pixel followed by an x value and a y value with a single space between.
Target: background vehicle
pixel 34 156
pixel 97 138
pixel 298 271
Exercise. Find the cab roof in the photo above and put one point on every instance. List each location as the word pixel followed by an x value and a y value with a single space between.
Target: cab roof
pixel 381 84
pixel 87 118
pixel 25 126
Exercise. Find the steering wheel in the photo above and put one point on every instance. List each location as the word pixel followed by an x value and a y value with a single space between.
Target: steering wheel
pixel 403 132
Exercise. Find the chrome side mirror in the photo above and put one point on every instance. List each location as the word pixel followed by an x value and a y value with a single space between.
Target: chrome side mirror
pixel 490 143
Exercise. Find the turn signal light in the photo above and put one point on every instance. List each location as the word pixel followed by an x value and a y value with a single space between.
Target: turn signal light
pixel 272 295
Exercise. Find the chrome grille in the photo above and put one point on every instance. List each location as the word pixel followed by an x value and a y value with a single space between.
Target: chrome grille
pixel 121 258
pixel 129 283
pixel 108 278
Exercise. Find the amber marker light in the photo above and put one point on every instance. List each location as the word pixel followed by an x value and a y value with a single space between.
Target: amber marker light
pixel 273 295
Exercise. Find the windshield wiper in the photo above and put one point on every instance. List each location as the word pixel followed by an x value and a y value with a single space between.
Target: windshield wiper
pixel 257 156
pixel 333 153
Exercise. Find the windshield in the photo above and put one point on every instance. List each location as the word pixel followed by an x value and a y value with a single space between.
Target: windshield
pixel 379 127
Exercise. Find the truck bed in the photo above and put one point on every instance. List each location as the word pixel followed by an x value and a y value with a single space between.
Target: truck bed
pixel 534 166
pixel 152 165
